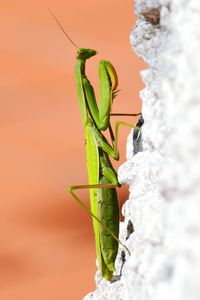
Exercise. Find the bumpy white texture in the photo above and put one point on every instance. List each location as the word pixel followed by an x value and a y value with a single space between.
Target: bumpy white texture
pixel 180 181
pixel 164 179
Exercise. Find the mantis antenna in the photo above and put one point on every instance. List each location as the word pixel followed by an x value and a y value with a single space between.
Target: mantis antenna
pixel 63 30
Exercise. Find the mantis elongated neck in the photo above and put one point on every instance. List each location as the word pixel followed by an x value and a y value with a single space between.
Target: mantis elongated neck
pixel 81 66
pixel 80 74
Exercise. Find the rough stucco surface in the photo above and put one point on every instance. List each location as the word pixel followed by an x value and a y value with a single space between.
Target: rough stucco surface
pixel 164 178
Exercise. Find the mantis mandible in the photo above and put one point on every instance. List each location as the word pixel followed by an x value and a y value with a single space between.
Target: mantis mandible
pixel 102 178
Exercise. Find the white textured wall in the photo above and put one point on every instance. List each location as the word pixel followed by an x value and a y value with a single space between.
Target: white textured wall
pixel 164 178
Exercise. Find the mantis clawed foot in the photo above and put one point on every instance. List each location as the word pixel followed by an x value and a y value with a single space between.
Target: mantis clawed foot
pixel 123 259
pixel 130 230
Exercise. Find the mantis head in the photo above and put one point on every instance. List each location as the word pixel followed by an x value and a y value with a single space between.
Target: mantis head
pixel 84 54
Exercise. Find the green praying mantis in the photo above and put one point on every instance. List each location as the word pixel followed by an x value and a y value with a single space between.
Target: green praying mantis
pixel 102 178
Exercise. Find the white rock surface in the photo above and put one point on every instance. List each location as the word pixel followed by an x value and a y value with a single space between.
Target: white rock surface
pixel 164 178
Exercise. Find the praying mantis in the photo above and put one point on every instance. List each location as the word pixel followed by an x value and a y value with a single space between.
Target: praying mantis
pixel 102 177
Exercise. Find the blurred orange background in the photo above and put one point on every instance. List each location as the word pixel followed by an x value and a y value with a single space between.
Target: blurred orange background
pixel 47 249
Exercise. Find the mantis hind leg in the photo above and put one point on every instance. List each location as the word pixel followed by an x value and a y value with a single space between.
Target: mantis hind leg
pixel 121 114
pixel 84 206
pixel 106 254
